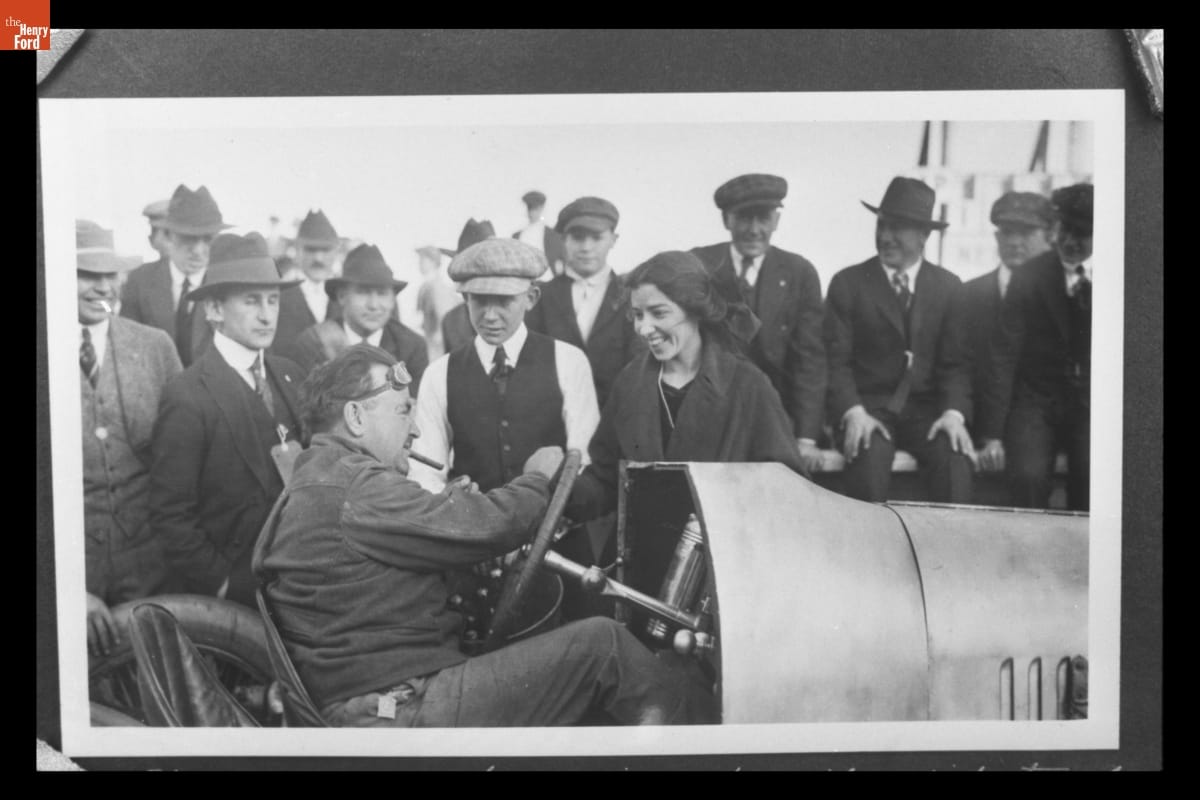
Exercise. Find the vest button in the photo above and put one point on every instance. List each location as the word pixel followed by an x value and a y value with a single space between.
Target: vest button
pixel 507 447
pixel 503 423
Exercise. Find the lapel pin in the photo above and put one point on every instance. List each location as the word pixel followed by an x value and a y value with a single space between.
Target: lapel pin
pixel 287 378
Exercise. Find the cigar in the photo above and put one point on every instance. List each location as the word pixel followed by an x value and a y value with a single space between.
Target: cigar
pixel 429 462
pixel 107 307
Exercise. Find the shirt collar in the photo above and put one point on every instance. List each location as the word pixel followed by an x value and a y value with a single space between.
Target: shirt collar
pixel 737 259
pixel 912 271
pixel 177 276
pixel 1070 270
pixel 236 355
pixel 98 330
pixel 512 348
pixel 598 280
pixel 353 338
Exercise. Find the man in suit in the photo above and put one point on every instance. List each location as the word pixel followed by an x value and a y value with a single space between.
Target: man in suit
pixel 584 306
pixel 305 305
pixel 156 292
pixel 214 475
pixel 156 215
pixel 366 296
pixel 456 325
pixel 1022 221
pixel 540 237
pixel 898 370
pixel 1037 396
pixel 124 366
pixel 784 292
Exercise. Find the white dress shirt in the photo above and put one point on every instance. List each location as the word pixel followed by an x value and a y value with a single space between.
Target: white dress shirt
pixel 1073 278
pixel 752 273
pixel 99 333
pixel 911 269
pixel 315 298
pixel 534 235
pixel 587 295
pixel 580 411
pixel 177 276
pixel 238 356
pixel 353 338
pixel 1003 275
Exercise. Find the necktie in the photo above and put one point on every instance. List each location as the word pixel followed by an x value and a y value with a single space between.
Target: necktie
pixel 261 385
pixel 1081 292
pixel 900 282
pixel 500 369
pixel 183 324
pixel 744 277
pixel 87 357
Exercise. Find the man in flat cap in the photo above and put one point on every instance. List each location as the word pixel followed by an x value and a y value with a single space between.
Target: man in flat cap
pixel 784 291
pixel 540 236
pixel 305 305
pixel 435 297
pixel 156 214
pixel 584 306
pixel 366 298
pixel 1022 221
pixel 456 324
pixel 215 472
pixel 357 566
pixel 487 406
pixel 1037 396
pixel 156 293
pixel 124 366
pixel 898 369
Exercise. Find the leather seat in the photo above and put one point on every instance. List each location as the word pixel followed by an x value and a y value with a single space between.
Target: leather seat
pixel 298 707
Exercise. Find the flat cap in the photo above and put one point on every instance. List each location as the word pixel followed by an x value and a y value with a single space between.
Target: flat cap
pixel 1022 208
pixel 156 212
pixel 751 190
pixel 1073 206
pixel 497 266
pixel 534 199
pixel 592 213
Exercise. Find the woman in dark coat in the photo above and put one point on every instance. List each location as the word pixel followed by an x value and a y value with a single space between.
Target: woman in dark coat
pixel 693 396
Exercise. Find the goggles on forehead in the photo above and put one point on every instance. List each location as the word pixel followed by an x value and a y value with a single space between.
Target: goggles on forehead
pixel 397 378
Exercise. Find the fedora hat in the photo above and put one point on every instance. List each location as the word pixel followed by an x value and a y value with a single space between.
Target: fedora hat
pixel 364 266
pixel 193 213
pixel 316 228
pixel 910 200
pixel 239 261
pixel 473 232
pixel 94 249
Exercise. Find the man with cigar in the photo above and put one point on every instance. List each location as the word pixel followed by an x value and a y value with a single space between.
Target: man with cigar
pixel 156 293
pixel 124 366
pixel 307 304
pixel 898 370
pixel 1037 396
pixel 222 423
pixel 354 566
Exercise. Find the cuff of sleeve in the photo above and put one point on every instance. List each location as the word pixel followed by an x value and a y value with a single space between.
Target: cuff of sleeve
pixel 805 440
pixel 962 420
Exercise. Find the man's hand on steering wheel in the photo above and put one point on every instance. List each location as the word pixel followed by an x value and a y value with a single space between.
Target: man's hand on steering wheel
pixel 545 461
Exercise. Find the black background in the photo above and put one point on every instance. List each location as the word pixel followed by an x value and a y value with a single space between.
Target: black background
pixel 225 63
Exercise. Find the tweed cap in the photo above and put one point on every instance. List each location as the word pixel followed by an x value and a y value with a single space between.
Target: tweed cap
pixel 593 213
pixel 534 199
pixel 497 266
pixel 1073 207
pixel 745 191
pixel 364 266
pixel 156 212
pixel 193 213
pixel 910 200
pixel 239 261
pixel 1022 208
pixel 94 249
pixel 316 229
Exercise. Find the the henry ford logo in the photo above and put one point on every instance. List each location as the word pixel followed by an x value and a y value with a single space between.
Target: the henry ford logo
pixel 26 25
pixel 26 37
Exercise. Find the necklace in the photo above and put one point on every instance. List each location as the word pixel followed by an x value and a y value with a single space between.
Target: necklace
pixel 663 396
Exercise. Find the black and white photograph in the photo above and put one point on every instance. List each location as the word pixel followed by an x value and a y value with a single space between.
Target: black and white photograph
pixel 420 425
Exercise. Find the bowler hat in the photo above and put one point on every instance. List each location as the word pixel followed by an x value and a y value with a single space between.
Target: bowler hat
pixel 534 199
pixel 497 266
pixel 910 200
pixel 94 249
pixel 1022 208
pixel 316 229
pixel 364 266
pixel 746 191
pixel 592 213
pixel 193 213
pixel 156 212
pixel 239 261
pixel 1073 207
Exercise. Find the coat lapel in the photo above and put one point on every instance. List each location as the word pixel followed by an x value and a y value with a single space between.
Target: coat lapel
pixel 926 297
pixel 610 309
pixel 559 291
pixel 1054 289
pixel 702 404
pixel 771 290
pixel 227 392
pixel 883 295
pixel 286 381
pixel 640 429
pixel 161 302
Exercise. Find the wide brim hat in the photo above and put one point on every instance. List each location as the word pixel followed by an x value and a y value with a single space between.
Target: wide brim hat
pixel 193 213
pixel 474 232
pixel 497 266
pixel 591 213
pixel 364 266
pixel 239 261
pixel 753 190
pixel 910 200
pixel 94 250
pixel 316 229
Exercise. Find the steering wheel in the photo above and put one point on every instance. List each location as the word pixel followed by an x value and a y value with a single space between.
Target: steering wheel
pixel 516 590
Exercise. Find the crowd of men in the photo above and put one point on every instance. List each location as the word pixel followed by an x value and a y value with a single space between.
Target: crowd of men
pixel 193 367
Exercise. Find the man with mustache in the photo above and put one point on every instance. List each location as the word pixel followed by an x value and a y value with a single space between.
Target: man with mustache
pixel 487 406
pixel 305 305
pixel 898 370
pixel 784 292
pixel 214 476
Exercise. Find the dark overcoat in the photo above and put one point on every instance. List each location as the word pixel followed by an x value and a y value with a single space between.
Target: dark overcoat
pixel 146 298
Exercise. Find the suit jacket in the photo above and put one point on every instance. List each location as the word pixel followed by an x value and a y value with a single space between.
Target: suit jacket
pixel 323 341
pixel 982 299
pixel 866 342
pixel 730 413
pixel 788 347
pixel 146 298
pixel 552 246
pixel 212 481
pixel 1031 349
pixel 295 317
pixel 456 328
pixel 612 343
